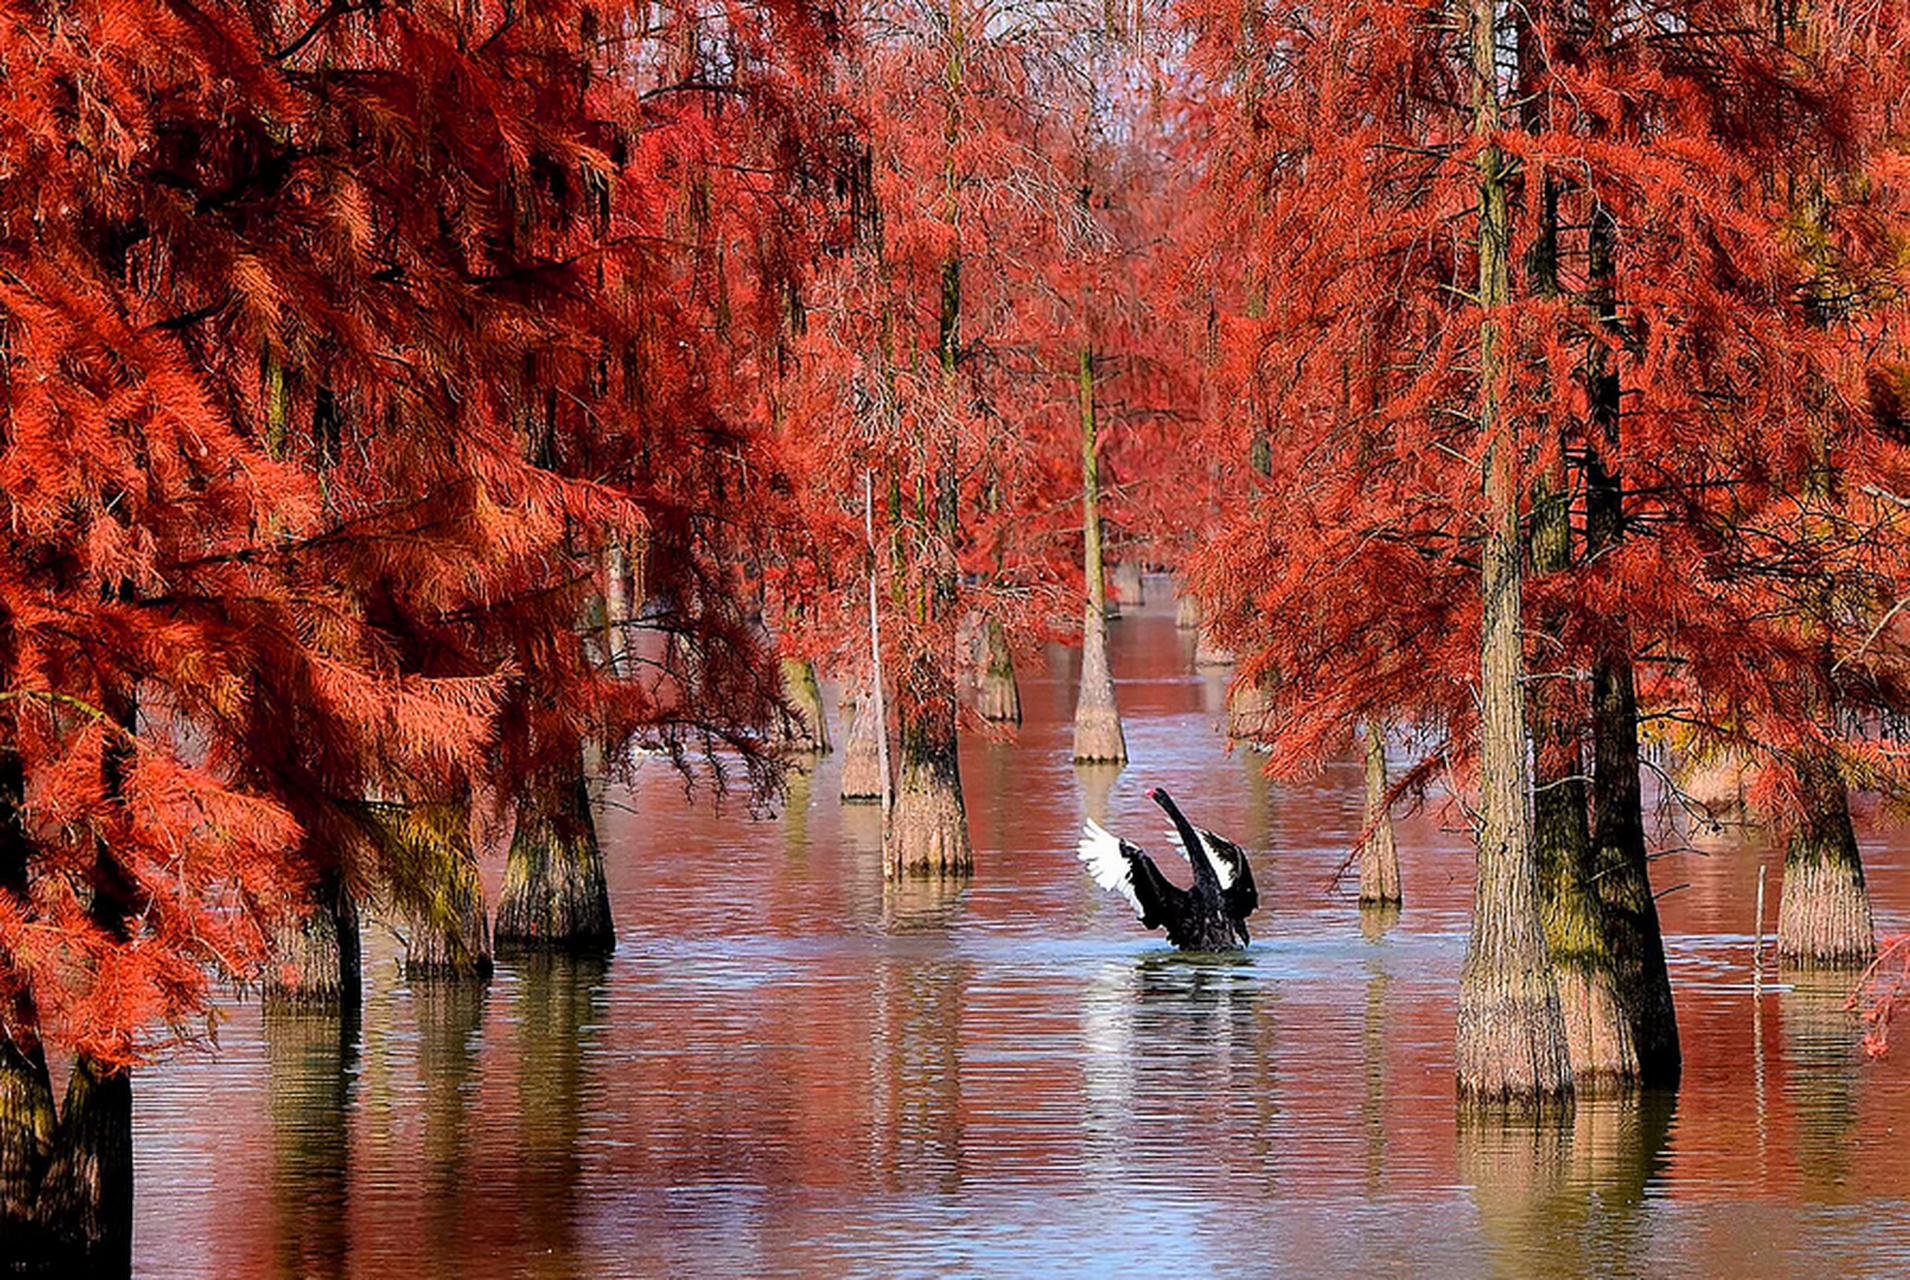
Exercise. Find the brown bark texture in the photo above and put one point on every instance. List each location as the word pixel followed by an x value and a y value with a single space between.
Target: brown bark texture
pixel 1823 917
pixel 861 758
pixel 316 959
pixel 1379 852
pixel 86 1197
pixel 928 830
pixel 999 697
pixel 555 897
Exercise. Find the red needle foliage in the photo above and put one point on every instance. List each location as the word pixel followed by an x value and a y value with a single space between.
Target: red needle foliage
pixel 336 343
pixel 1744 315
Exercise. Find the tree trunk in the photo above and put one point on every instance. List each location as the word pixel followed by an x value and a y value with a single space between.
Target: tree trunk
pixel 1621 867
pixel 317 960
pixel 450 939
pixel 1511 1035
pixel 1249 709
pixel 861 759
pixel 554 896
pixel 999 698
pixel 26 1144
pixel 928 829
pixel 1823 917
pixel 1097 717
pixel 1187 612
pixel 809 735
pixel 86 1198
pixel 1130 591
pixel 1624 879
pixel 1379 852
pixel 1209 652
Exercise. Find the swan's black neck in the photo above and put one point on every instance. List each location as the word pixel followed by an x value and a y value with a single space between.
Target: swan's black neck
pixel 1196 852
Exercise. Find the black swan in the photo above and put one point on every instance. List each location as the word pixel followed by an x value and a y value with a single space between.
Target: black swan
pixel 1211 916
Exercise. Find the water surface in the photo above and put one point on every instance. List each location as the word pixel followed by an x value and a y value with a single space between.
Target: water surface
pixel 789 1068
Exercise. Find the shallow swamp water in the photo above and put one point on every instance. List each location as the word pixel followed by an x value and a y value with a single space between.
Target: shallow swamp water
pixel 788 1068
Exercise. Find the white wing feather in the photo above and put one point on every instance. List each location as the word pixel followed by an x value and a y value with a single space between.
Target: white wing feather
pixel 1100 850
pixel 1223 867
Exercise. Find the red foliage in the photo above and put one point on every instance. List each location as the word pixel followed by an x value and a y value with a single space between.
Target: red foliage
pixel 1747 311
pixel 336 343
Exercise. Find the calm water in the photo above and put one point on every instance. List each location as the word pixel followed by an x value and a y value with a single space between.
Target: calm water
pixel 789 1069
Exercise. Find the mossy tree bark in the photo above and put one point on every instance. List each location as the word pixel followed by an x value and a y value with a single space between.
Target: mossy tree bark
pixel 1379 851
pixel 1598 1030
pixel 1511 1047
pixel 809 734
pixel 1823 918
pixel 999 698
pixel 555 897
pixel 1098 736
pixel 448 937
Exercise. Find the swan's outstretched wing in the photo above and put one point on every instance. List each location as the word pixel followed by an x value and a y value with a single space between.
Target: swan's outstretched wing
pixel 1234 872
pixel 1121 865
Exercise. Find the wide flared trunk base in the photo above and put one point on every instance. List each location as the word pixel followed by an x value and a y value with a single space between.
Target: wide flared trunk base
pixel 1249 713
pixel 317 960
pixel 555 897
pixel 453 942
pixel 26 1144
pixel 862 756
pixel 1209 652
pixel 1824 917
pixel 928 831
pixel 1511 1051
pixel 1597 1032
pixel 86 1199
pixel 1098 738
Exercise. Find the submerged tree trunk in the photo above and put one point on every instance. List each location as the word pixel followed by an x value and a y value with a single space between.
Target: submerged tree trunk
pixel 1209 652
pixel 555 897
pixel 1598 1026
pixel 1624 880
pixel 317 959
pixel 809 735
pixel 86 1198
pixel 1130 590
pixel 1249 711
pixel 999 698
pixel 1098 736
pixel 27 1127
pixel 449 938
pixel 1187 612
pixel 1621 866
pixel 1511 1035
pixel 861 755
pixel 928 829
pixel 1823 917
pixel 26 1090
pixel 1379 852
